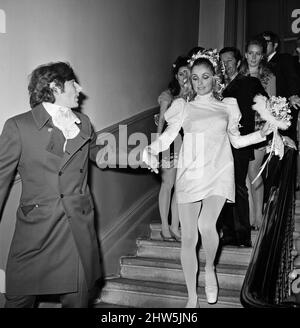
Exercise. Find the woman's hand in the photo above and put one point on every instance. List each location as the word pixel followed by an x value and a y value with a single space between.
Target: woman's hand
pixel 151 160
pixel 295 101
pixel 267 129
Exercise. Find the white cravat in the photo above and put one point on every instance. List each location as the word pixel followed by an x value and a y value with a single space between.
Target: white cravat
pixel 64 119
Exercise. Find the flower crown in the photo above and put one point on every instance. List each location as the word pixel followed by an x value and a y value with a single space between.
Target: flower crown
pixel 213 56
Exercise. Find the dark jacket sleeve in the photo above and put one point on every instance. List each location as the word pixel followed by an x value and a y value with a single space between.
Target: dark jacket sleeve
pixel 10 152
pixel 259 89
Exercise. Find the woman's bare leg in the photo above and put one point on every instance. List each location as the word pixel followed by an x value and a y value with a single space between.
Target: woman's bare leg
pixel 167 182
pixel 258 186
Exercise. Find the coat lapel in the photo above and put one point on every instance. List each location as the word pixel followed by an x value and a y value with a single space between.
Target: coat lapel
pixel 73 145
pixel 227 92
pixel 42 117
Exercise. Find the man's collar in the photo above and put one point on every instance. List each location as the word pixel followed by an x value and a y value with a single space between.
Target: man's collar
pixel 53 108
pixel 272 55
pixel 234 76
pixel 40 115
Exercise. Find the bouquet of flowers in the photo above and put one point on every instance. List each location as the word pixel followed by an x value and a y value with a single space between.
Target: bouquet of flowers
pixel 276 112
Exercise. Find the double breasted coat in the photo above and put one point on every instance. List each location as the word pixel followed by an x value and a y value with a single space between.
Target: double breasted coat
pixel 55 217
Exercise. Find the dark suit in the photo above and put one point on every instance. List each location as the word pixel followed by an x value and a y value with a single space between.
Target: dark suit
pixel 235 217
pixel 55 218
pixel 287 85
pixel 297 65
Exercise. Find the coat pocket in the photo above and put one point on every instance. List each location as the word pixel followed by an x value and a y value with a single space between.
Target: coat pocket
pixel 28 208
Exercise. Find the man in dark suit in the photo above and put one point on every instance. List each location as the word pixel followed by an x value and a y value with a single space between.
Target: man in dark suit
pixel 234 220
pixel 54 248
pixel 287 80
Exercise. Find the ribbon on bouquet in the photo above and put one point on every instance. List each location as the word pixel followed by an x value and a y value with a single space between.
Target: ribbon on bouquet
pixel 276 148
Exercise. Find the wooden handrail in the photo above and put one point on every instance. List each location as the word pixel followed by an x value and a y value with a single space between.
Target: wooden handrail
pixel 266 281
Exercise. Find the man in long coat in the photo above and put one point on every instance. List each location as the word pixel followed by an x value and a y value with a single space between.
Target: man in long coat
pixel 54 249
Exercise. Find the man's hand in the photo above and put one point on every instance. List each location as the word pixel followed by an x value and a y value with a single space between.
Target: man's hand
pixel 151 160
pixel 287 141
pixel 295 101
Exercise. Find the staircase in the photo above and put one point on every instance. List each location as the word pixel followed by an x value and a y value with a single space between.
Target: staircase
pixel 153 277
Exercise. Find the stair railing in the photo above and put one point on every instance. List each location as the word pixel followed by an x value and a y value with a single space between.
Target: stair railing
pixel 267 282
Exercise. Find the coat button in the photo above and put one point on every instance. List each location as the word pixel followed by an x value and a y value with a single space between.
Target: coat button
pixel 83 211
pixel 60 173
pixel 61 195
pixel 81 170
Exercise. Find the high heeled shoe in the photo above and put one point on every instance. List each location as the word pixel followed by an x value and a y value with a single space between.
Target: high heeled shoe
pixel 173 234
pixel 211 288
pixel 164 238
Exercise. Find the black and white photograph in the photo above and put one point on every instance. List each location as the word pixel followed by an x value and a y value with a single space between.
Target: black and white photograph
pixel 149 157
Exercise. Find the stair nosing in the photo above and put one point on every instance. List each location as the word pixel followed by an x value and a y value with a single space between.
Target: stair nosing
pixel 160 289
pixel 222 268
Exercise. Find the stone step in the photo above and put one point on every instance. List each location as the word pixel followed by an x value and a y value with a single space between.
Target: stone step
pixel 155 229
pixel 97 304
pixel 171 250
pixel 148 294
pixel 49 305
pixel 170 271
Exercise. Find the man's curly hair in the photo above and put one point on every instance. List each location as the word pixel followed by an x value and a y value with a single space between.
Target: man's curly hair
pixel 40 79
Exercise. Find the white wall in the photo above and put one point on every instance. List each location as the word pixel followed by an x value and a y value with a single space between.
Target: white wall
pixel 211 24
pixel 121 49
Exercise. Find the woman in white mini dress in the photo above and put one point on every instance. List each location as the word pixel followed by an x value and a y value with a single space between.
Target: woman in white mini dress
pixel 205 172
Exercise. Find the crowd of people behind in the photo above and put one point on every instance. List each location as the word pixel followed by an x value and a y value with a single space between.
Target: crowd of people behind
pixel 218 190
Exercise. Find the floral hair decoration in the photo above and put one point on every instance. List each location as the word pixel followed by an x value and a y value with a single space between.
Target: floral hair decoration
pixel 212 55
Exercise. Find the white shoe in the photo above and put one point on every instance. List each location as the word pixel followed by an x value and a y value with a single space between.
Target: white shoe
pixel 211 287
pixel 211 294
